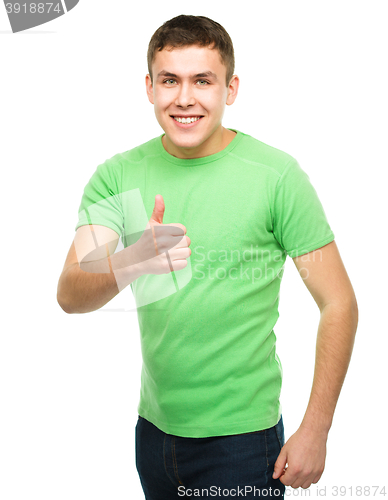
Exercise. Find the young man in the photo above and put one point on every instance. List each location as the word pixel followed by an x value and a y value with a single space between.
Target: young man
pixel 210 421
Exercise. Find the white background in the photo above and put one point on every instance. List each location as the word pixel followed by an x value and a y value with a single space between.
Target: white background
pixel 314 84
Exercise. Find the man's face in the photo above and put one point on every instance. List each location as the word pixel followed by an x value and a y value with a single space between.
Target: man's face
pixel 182 89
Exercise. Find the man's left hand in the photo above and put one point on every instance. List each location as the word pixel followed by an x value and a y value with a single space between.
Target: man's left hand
pixel 305 454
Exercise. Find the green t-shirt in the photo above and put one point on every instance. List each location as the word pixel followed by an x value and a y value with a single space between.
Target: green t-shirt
pixel 210 366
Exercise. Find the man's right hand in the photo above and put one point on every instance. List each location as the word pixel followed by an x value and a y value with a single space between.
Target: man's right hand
pixel 162 248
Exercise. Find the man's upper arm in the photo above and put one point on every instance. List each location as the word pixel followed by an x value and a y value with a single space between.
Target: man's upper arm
pixel 324 275
pixel 91 242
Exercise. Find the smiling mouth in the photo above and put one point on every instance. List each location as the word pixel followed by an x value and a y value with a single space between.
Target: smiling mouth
pixel 186 120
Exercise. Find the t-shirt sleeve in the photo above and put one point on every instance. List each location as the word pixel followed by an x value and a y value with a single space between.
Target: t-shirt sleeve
pixel 299 221
pixel 101 199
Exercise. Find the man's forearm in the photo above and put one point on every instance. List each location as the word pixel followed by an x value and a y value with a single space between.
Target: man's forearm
pixel 81 291
pixel 335 339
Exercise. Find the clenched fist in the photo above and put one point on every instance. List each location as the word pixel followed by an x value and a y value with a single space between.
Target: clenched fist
pixel 162 248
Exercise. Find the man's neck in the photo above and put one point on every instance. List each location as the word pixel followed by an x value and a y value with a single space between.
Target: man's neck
pixel 213 145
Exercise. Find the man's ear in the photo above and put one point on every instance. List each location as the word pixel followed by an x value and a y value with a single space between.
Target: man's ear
pixel 149 88
pixel 232 90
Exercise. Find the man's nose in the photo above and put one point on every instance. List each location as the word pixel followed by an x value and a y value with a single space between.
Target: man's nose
pixel 185 96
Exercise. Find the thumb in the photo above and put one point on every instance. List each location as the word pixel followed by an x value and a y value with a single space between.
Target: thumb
pixel 280 464
pixel 157 214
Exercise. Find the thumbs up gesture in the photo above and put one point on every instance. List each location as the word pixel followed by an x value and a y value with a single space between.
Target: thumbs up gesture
pixel 162 248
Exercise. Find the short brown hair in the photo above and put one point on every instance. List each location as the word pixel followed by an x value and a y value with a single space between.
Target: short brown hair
pixel 193 30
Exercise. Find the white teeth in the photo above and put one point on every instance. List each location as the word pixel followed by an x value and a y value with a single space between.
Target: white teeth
pixel 186 120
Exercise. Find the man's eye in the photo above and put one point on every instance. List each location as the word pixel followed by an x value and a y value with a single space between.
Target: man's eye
pixel 172 80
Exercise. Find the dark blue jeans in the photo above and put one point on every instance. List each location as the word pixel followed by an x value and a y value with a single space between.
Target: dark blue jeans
pixel 238 465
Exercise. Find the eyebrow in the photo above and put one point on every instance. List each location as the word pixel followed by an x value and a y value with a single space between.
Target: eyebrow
pixel 199 75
